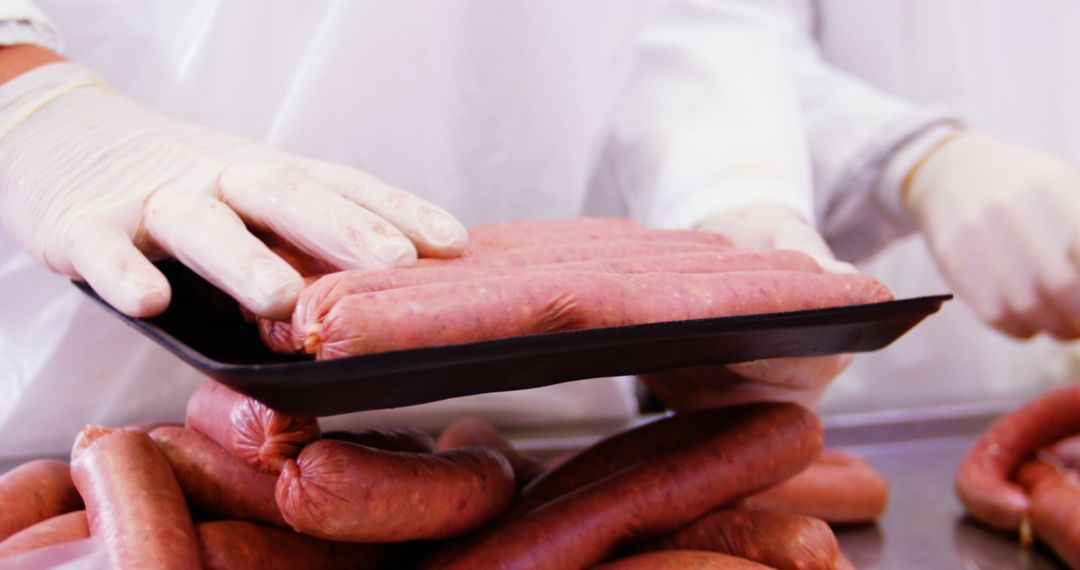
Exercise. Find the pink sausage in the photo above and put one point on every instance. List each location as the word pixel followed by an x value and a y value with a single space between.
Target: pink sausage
pixel 246 428
pixel 133 502
pixel 317 299
pixel 33 492
pixel 517 305
pixel 58 529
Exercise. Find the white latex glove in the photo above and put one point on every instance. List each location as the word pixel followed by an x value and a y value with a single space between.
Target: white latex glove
pixel 93 184
pixel 762 226
pixel 1003 224
pixel 758 226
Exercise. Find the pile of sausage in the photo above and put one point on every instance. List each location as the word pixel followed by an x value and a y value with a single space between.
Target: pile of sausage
pixel 522 278
pixel 243 486
pixel 1023 474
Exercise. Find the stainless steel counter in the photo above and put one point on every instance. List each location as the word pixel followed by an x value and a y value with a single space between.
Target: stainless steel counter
pixel 924 527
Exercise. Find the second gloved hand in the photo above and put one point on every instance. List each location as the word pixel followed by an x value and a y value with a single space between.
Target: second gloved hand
pixel 1003 224
pixel 94 185
pixel 758 226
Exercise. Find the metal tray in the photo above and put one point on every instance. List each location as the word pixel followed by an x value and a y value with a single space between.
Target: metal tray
pixel 204 328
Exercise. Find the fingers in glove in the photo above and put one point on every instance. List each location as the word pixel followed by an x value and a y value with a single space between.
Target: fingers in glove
pixel 1038 263
pixel 433 230
pixel 314 218
pixel 120 273
pixel 971 266
pixel 208 237
pixel 796 373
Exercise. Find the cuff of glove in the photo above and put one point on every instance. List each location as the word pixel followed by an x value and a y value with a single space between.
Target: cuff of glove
pixel 24 95
pixel 892 187
pixel 694 208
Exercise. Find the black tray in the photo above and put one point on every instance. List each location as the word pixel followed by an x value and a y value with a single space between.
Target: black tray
pixel 204 328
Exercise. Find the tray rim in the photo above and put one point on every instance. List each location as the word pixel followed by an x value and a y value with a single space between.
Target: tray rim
pixel 507 348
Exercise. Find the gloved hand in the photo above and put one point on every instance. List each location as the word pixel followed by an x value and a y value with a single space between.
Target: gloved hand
pixel 93 184
pixel 1003 224
pixel 759 226
pixel 764 225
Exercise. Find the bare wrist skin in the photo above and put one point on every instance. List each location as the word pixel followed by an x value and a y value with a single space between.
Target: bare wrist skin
pixel 16 60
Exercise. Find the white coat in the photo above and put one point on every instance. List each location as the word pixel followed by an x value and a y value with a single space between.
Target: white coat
pixel 663 110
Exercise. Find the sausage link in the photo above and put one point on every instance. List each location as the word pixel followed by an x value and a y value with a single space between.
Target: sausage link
pixel 133 503
pixel 35 491
pixel 1055 509
pixel 838 488
pixel 781 540
pixel 58 529
pixel 247 428
pixel 613 454
pixel 516 305
pixel 396 439
pixel 758 446
pixel 227 545
pixel 340 491
pixel 317 299
pixel 682 560
pixel 552 253
pixel 215 482
pixel 1067 451
pixel 476 432
pixel 982 481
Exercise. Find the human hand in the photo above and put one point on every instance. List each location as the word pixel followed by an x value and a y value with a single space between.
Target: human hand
pixel 800 379
pixel 760 226
pixel 1003 225
pixel 763 226
pixel 94 186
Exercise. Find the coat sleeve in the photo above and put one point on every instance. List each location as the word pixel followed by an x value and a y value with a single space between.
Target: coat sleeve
pixel 22 22
pixel 709 119
pixel 862 143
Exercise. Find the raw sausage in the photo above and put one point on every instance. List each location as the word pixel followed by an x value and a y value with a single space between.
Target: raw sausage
pixel 780 540
pixel 396 439
pixel 982 481
pixel 613 454
pixel 227 545
pixel 215 482
pixel 317 299
pixel 476 432
pixel 62 528
pixel 547 254
pixel 133 503
pixel 1055 515
pixel 682 560
pixel 838 488
pixel 515 305
pixel 758 446
pixel 1067 451
pixel 35 491
pixel 247 428
pixel 340 491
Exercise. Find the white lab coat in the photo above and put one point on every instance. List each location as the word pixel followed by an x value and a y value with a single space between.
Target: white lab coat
pixel 493 109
